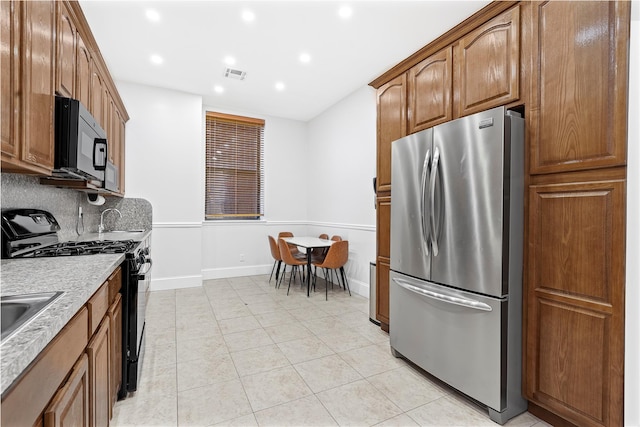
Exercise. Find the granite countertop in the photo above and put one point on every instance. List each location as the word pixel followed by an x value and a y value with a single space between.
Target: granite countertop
pixel 79 277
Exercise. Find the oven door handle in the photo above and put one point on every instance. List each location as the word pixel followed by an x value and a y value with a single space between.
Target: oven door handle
pixel 140 275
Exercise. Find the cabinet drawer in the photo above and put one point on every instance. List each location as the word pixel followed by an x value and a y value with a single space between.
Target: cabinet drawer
pixel 27 399
pixel 98 305
pixel 115 283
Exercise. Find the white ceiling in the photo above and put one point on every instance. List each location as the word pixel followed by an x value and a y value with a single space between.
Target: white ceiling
pixel 194 37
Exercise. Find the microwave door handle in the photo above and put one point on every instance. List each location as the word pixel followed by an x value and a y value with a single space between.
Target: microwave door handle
pixel 432 190
pixel 100 146
pixel 423 195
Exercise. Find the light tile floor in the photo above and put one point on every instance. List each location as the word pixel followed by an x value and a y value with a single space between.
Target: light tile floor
pixel 238 352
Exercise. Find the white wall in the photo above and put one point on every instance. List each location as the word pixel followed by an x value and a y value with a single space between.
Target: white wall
pixel 165 165
pixel 241 248
pixel 342 162
pixel 632 321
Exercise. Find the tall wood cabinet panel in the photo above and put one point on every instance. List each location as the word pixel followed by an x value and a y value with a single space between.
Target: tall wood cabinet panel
pixel 579 101
pixel 70 406
pixel 10 81
pixel 38 84
pixel 488 64
pixel 575 331
pixel 66 54
pixel 392 125
pixel 430 87
pixel 97 95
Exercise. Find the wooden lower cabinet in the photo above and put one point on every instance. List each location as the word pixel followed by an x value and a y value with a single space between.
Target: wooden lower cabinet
pixel 382 296
pixel 383 226
pixel 70 406
pixel 99 352
pixel 575 300
pixel 115 320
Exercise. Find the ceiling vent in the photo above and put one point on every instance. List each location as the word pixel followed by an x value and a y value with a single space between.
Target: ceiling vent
pixel 234 74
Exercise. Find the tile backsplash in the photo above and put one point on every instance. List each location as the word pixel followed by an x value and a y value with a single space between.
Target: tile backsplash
pixel 24 191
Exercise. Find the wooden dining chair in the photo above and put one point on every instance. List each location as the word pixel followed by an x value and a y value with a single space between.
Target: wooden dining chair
pixel 336 258
pixel 275 253
pixel 289 259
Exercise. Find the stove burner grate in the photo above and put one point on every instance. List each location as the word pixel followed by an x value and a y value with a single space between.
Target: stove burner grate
pixel 83 248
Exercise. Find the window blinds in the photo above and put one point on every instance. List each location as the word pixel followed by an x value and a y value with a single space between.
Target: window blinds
pixel 234 167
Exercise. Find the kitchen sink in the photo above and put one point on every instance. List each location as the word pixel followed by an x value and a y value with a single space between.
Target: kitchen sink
pixel 18 310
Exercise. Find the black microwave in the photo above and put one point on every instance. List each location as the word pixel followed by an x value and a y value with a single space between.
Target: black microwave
pixel 80 142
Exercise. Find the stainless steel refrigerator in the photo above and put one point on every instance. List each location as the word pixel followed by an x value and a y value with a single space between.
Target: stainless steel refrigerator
pixel 455 285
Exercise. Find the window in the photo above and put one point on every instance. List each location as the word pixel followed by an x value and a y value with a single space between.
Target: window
pixel 234 186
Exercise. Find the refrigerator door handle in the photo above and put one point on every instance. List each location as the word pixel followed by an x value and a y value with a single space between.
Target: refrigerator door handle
pixel 432 196
pixel 450 299
pixel 423 194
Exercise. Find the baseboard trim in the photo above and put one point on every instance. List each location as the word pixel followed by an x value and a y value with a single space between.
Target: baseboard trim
pixel 223 273
pixel 178 282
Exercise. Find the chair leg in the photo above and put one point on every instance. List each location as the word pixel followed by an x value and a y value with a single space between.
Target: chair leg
pixel 344 279
pixel 278 269
pixel 284 272
pixel 273 268
pixel 290 274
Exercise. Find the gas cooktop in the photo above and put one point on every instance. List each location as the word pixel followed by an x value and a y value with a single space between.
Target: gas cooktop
pixel 82 248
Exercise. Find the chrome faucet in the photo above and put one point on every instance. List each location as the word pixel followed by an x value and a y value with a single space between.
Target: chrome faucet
pixel 101 226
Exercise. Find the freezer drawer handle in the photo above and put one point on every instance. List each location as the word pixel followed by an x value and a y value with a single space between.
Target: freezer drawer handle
pixel 423 195
pixel 477 305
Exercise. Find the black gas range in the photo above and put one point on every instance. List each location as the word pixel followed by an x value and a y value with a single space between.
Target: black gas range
pixel 32 233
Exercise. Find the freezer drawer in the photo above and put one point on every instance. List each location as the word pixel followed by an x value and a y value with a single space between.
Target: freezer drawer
pixel 454 335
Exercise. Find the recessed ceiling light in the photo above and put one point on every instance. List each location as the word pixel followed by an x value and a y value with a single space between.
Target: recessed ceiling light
pixel 345 12
pixel 152 15
pixel 230 60
pixel 280 86
pixel 218 89
pixel 156 59
pixel 305 58
pixel 248 16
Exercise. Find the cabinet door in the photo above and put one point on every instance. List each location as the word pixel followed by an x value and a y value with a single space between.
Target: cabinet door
pixel 578 118
pixel 9 57
pixel 66 55
pixel 575 300
pixel 38 84
pixel 97 95
pixel 392 125
pixel 383 227
pixel 488 64
pixel 115 320
pixel 430 87
pixel 382 289
pixel 83 73
pixel 99 352
pixel 70 406
pixel 120 122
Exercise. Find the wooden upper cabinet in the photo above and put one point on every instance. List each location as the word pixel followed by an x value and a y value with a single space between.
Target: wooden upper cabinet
pixel 578 111
pixel 488 64
pixel 392 125
pixel 38 85
pixel 97 95
pixel 430 86
pixel 575 298
pixel 10 81
pixel 66 55
pixel 83 73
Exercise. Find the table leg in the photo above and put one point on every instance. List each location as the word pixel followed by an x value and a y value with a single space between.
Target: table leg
pixel 308 270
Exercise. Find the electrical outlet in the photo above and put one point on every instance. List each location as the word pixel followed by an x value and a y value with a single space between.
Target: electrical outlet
pixel 241 257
